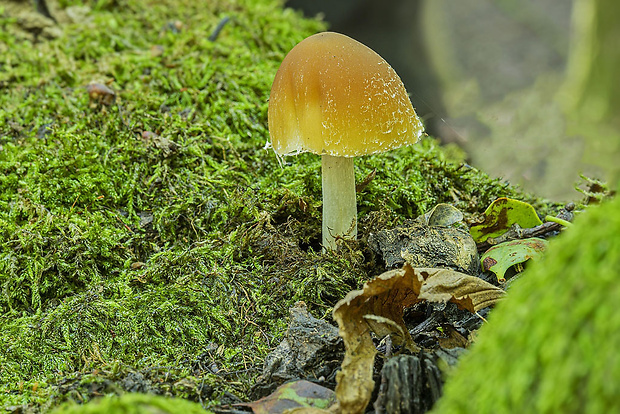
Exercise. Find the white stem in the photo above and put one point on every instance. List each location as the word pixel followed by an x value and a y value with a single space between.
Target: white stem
pixel 339 206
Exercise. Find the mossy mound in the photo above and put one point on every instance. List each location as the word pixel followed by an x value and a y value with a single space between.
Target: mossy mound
pixel 155 235
pixel 133 404
pixel 552 346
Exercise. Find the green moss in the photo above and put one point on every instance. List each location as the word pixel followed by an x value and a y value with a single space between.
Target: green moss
pixel 133 404
pixel 552 346
pixel 120 249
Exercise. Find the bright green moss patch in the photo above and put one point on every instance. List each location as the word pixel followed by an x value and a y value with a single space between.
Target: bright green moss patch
pixel 133 404
pixel 157 236
pixel 552 345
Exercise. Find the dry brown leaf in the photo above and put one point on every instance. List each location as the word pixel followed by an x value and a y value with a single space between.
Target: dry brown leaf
pixel 385 296
pixel 383 327
pixel 468 292
pixel 379 307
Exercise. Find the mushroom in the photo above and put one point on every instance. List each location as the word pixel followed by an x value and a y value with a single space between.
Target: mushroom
pixel 335 97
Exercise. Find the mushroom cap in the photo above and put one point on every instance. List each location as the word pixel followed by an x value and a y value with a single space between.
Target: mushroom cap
pixel 333 95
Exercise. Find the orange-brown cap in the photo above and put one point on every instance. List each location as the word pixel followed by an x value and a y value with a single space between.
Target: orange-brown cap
pixel 333 95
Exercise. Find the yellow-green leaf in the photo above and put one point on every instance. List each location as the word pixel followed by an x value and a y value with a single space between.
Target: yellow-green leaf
pixel 293 395
pixel 498 259
pixel 501 215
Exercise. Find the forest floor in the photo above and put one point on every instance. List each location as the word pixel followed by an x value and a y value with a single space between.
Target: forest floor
pixel 149 240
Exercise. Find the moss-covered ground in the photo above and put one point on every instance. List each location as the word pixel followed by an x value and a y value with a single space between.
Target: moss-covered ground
pixel 154 244
pixel 552 346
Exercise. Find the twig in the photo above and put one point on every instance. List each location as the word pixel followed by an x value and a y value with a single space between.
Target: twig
pixel 215 34
pixel 516 233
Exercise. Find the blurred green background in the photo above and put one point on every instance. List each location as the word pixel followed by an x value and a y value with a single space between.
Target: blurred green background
pixel 527 87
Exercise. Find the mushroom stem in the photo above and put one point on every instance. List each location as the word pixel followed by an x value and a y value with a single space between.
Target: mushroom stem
pixel 339 206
